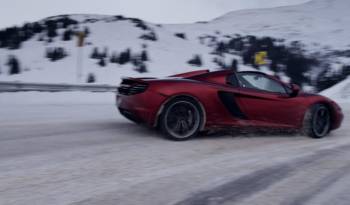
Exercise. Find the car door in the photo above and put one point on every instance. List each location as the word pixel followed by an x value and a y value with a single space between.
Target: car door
pixel 265 101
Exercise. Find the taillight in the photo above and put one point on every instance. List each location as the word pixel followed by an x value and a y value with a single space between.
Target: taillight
pixel 130 87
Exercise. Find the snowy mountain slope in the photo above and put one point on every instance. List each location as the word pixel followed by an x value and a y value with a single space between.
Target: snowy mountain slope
pixel 339 92
pixel 116 36
pixel 323 22
pixel 321 25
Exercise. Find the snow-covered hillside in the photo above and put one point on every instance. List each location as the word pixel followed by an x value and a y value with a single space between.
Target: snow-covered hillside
pixel 318 23
pixel 339 92
pixel 321 27
pixel 168 55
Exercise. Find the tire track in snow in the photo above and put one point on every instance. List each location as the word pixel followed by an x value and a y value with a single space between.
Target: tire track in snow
pixel 259 180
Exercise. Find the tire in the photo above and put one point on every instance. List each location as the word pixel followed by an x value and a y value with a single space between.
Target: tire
pixel 181 119
pixel 317 121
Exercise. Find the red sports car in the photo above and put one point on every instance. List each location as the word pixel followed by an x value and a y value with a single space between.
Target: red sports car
pixel 186 104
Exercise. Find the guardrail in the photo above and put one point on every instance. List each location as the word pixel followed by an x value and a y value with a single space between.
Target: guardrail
pixel 45 87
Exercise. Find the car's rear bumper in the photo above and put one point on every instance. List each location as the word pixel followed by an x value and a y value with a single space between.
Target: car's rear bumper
pixel 140 108
pixel 131 115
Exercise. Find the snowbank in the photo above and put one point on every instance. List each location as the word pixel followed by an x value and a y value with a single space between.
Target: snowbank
pixel 56 98
pixel 339 92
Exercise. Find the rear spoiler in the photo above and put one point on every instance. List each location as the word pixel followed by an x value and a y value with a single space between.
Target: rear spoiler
pixel 190 74
pixel 128 80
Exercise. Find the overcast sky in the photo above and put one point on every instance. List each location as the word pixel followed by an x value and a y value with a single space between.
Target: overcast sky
pixel 15 12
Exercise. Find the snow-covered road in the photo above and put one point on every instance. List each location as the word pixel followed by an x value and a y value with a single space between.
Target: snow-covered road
pixel 70 149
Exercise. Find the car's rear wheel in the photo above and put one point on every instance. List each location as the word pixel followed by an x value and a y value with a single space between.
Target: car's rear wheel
pixel 181 119
pixel 317 121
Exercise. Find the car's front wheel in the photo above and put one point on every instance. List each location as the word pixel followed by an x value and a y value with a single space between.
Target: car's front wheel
pixel 181 119
pixel 317 121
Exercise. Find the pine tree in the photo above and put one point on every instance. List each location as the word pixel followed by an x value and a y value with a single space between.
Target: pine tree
pixel 1 40
pixel 234 65
pixel 37 28
pixel 102 62
pixel 114 58
pixel 41 38
pixel 274 66
pixel 125 57
pixel 181 35
pixel 236 44
pixel 142 68
pixel 196 61
pixel 296 66
pixel 61 52
pixel 15 42
pixel 151 36
pixel 55 54
pixel 48 53
pixel 220 63
pixel 91 78
pixel 221 48
pixel 105 53
pixel 247 57
pixel 14 65
pixel 346 70
pixel 144 56
pixel 67 35
pixel 51 29
pixel 87 31
pixel 136 62
pixel 66 22
pixel 95 53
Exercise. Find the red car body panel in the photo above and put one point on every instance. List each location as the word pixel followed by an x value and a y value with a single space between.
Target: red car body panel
pixel 224 105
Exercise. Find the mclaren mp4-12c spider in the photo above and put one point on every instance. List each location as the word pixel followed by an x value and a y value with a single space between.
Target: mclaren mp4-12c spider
pixel 183 105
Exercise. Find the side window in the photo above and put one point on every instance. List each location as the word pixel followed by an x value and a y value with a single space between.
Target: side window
pixel 260 82
pixel 232 80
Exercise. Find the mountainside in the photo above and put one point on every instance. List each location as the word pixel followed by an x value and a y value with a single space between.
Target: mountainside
pixel 339 92
pixel 307 43
pixel 318 23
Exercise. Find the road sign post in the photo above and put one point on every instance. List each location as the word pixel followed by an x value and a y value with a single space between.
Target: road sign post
pixel 80 52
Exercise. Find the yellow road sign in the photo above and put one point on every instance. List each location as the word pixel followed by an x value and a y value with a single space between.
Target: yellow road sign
pixel 260 58
pixel 81 39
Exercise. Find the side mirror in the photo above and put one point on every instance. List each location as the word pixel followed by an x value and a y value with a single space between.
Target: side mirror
pixel 295 90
